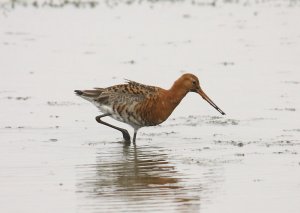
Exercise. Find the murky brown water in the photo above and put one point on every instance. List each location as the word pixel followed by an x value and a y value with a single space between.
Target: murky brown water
pixel 54 157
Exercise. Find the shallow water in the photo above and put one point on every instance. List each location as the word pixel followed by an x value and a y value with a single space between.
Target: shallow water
pixel 55 157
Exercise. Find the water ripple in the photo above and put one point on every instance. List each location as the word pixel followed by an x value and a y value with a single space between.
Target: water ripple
pixel 132 178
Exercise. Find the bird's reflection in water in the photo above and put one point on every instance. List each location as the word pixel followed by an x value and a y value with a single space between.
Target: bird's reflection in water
pixel 142 169
pixel 133 178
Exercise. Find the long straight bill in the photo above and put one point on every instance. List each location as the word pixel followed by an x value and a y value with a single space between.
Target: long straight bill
pixel 205 97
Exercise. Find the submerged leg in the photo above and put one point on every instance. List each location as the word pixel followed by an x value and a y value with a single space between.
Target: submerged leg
pixel 134 136
pixel 125 133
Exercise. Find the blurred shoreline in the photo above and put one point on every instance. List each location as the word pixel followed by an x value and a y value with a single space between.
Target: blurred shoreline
pixel 82 4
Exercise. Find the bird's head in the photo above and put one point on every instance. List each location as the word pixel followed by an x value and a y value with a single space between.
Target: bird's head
pixel 191 83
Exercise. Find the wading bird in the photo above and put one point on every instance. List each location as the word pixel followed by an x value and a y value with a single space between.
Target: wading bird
pixel 141 105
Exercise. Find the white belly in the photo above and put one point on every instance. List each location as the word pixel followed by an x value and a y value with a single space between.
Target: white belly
pixel 123 117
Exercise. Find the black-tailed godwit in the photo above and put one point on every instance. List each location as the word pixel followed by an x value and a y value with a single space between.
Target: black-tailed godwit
pixel 141 105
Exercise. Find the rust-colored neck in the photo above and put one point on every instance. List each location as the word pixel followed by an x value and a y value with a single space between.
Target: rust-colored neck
pixel 169 100
pixel 176 93
pixel 164 104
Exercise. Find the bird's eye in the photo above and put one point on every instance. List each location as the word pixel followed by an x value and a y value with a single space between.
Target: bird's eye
pixel 194 82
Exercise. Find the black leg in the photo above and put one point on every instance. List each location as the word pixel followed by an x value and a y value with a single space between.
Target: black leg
pixel 125 133
pixel 134 136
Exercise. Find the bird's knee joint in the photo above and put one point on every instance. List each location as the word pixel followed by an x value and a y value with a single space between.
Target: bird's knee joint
pixel 98 119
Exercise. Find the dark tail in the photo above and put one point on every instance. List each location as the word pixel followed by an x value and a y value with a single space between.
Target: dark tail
pixel 89 93
pixel 78 92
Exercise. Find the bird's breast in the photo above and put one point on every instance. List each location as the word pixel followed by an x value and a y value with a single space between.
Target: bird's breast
pixel 155 110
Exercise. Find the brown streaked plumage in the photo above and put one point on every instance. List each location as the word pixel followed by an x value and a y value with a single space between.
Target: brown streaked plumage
pixel 140 105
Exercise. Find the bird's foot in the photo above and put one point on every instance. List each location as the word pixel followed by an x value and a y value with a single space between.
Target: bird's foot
pixel 126 136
